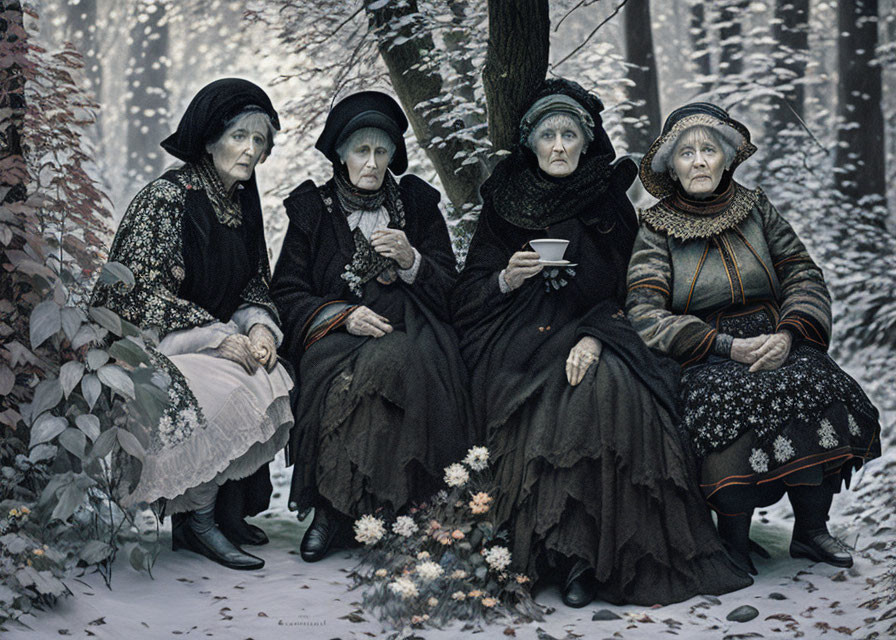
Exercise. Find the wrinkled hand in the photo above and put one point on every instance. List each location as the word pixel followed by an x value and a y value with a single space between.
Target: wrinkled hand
pixel 393 243
pixel 583 355
pixel 522 265
pixel 264 346
pixel 238 348
pixel 772 354
pixel 364 322
pixel 742 349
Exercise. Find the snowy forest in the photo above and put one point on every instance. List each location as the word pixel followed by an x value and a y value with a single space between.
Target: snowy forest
pixel 88 89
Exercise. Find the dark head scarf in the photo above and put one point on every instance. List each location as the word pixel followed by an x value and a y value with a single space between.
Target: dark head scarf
pixel 212 108
pixel 525 196
pixel 365 109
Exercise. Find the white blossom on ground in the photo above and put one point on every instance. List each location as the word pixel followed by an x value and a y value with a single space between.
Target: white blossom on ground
pixel 458 595
pixel 429 570
pixel 369 529
pixel 477 458
pixel 498 558
pixel 404 587
pixel 404 526
pixel 456 475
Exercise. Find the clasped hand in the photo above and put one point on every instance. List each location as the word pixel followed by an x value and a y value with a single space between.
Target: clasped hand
pixel 364 322
pixel 764 352
pixel 258 348
pixel 583 355
pixel 522 265
pixel 393 243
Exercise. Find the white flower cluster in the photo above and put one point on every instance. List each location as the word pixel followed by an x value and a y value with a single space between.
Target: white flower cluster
pixel 477 458
pixel 783 449
pixel 404 587
pixel 759 461
pixel 456 475
pixel 429 570
pixel 498 558
pixel 827 438
pixel 404 526
pixel 369 529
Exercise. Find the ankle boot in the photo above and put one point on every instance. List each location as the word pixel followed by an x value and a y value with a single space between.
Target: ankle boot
pixel 320 534
pixel 580 587
pixel 735 534
pixel 819 546
pixel 200 534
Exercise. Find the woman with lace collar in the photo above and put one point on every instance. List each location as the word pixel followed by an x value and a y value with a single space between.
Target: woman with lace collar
pixel 719 281
pixel 594 486
pixel 362 284
pixel 194 241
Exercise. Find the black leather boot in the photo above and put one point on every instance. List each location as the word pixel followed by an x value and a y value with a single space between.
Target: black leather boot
pixel 820 546
pixel 199 533
pixel 580 587
pixel 320 534
pixel 735 534
pixel 240 532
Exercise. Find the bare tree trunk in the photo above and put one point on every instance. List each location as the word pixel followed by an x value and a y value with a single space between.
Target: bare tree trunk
pixel 13 171
pixel 860 160
pixel 700 43
pixel 791 31
pixel 731 57
pixel 645 92
pixel 516 63
pixel 148 103
pixel 400 44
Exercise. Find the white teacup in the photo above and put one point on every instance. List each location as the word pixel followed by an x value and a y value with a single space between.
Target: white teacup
pixel 549 249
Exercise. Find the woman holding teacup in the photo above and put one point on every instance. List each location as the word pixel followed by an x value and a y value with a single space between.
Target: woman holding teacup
pixel 594 486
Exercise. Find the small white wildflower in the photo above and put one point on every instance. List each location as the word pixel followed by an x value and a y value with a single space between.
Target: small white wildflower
pixel 404 526
pixel 369 529
pixel 759 461
pixel 404 587
pixel 423 555
pixel 458 595
pixel 783 449
pixel 477 458
pixel 429 570
pixel 456 475
pixel 498 558
pixel 458 574
pixel 826 436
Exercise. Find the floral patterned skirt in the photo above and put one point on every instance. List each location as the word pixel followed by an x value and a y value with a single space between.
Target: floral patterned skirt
pixel 798 423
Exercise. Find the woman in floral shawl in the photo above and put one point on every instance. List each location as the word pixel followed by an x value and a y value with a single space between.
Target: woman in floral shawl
pixel 194 241
pixel 362 285
pixel 594 484
pixel 719 281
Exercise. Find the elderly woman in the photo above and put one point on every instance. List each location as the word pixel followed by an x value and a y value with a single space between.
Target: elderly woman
pixel 720 282
pixel 194 241
pixel 593 484
pixel 362 285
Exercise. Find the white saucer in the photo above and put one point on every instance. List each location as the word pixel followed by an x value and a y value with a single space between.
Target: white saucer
pixel 557 263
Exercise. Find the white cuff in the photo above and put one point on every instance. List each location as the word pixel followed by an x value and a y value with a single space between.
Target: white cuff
pixel 251 314
pixel 410 274
pixel 197 339
pixel 502 283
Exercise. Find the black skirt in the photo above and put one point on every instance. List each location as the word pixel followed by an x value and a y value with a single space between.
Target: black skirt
pixel 380 418
pixel 796 424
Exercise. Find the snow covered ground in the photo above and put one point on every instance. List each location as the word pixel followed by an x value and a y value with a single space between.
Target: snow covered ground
pixel 193 597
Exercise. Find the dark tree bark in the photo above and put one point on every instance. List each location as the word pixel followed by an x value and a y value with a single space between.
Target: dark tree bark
pixel 400 45
pixel 516 63
pixel 791 31
pixel 13 171
pixel 700 56
pixel 456 40
pixel 644 94
pixel 148 103
pixel 730 17
pixel 860 160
